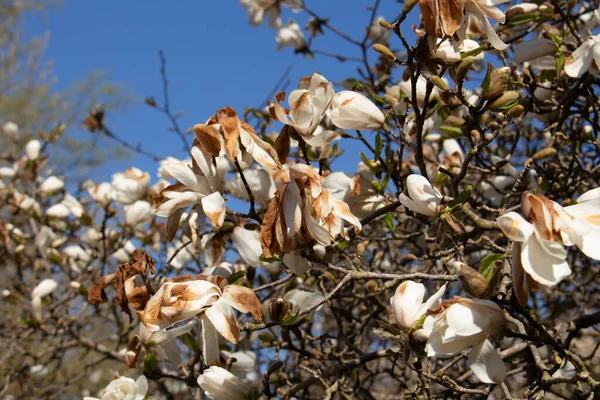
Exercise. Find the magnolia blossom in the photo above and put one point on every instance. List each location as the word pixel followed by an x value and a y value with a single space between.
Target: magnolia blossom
pixel 540 237
pixel 424 198
pixel 308 104
pixel 138 213
pixel 461 323
pixel 290 35
pixel 450 18
pixel 32 149
pixel 407 303
pixel 260 182
pixel 356 191
pixel 534 49
pixel 11 130
pixel 585 58
pixel 303 211
pixel 129 186
pixel 68 206
pixel 352 110
pixel 180 301
pixel 378 33
pixel 52 184
pixel 447 52
pixel 421 90
pixel 101 193
pixel 123 388
pixel 163 342
pixel 78 257
pixel 220 384
pixel 258 9
pixel 43 288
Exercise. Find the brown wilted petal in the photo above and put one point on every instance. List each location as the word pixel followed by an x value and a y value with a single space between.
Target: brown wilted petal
pixel 244 300
pixel 282 143
pixel 451 15
pixel 221 316
pixel 133 350
pixel 208 139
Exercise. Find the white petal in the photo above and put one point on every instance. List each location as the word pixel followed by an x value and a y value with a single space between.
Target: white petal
pixel 486 363
pixel 214 208
pixel 515 227
pixel 406 303
pixel 541 266
pixel 296 263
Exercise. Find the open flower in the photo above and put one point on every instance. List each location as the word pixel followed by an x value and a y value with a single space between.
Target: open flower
pixel 377 33
pixel 259 9
pixel 407 303
pixel 450 18
pixel 461 323
pixel 290 35
pixel 101 193
pixel 534 49
pixel 220 384
pixel 303 211
pixel 11 130
pixel 129 186
pixel 352 110
pixel 138 213
pixel 180 301
pixel 32 149
pixel 123 388
pixel 308 105
pixel 585 58
pixel 52 184
pixel 424 198
pixel 539 239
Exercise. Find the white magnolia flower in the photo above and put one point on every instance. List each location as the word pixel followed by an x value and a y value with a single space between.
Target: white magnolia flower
pixel 407 303
pixel 139 213
pixel 7 172
pixel 378 33
pixel 163 173
pixel 539 239
pixel 68 206
pixel 462 323
pixel 421 90
pixel 11 130
pixel 124 388
pixel 43 288
pixel 290 35
pixel 308 104
pixel 446 51
pixel 101 193
pixel 352 110
pixel 534 49
pixel 241 361
pixel 180 301
pixel 259 9
pixel 424 198
pixel 482 10
pixel 260 183
pixel 585 58
pixel 129 186
pixel 52 184
pixel 123 255
pixel 220 384
pixel 32 149
pixel 164 345
pixel 78 257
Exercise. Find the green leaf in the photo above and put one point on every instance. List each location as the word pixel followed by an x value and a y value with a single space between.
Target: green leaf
pixel 270 259
pixel 236 276
pixel 485 85
pixel 378 146
pixel 487 266
pixel 389 221
pixel 290 319
pixel 190 342
pixel 451 132
pixel 522 19
pixel 150 362
pixel 472 53
pixel 462 198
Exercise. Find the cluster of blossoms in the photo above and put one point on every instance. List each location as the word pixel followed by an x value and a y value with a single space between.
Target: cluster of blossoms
pixel 296 284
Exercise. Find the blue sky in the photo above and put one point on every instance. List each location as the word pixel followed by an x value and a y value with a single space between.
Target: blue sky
pixel 214 59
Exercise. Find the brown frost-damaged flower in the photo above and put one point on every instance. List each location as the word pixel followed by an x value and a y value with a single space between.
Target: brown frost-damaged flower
pixel 451 18
pixel 128 294
pixel 303 211
pixel 211 298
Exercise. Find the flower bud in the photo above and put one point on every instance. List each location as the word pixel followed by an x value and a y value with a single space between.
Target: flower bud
pixel 545 153
pixel 439 83
pixel 505 100
pixel 384 50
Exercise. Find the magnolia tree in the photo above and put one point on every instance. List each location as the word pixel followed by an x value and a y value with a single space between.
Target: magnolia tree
pixel 458 260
